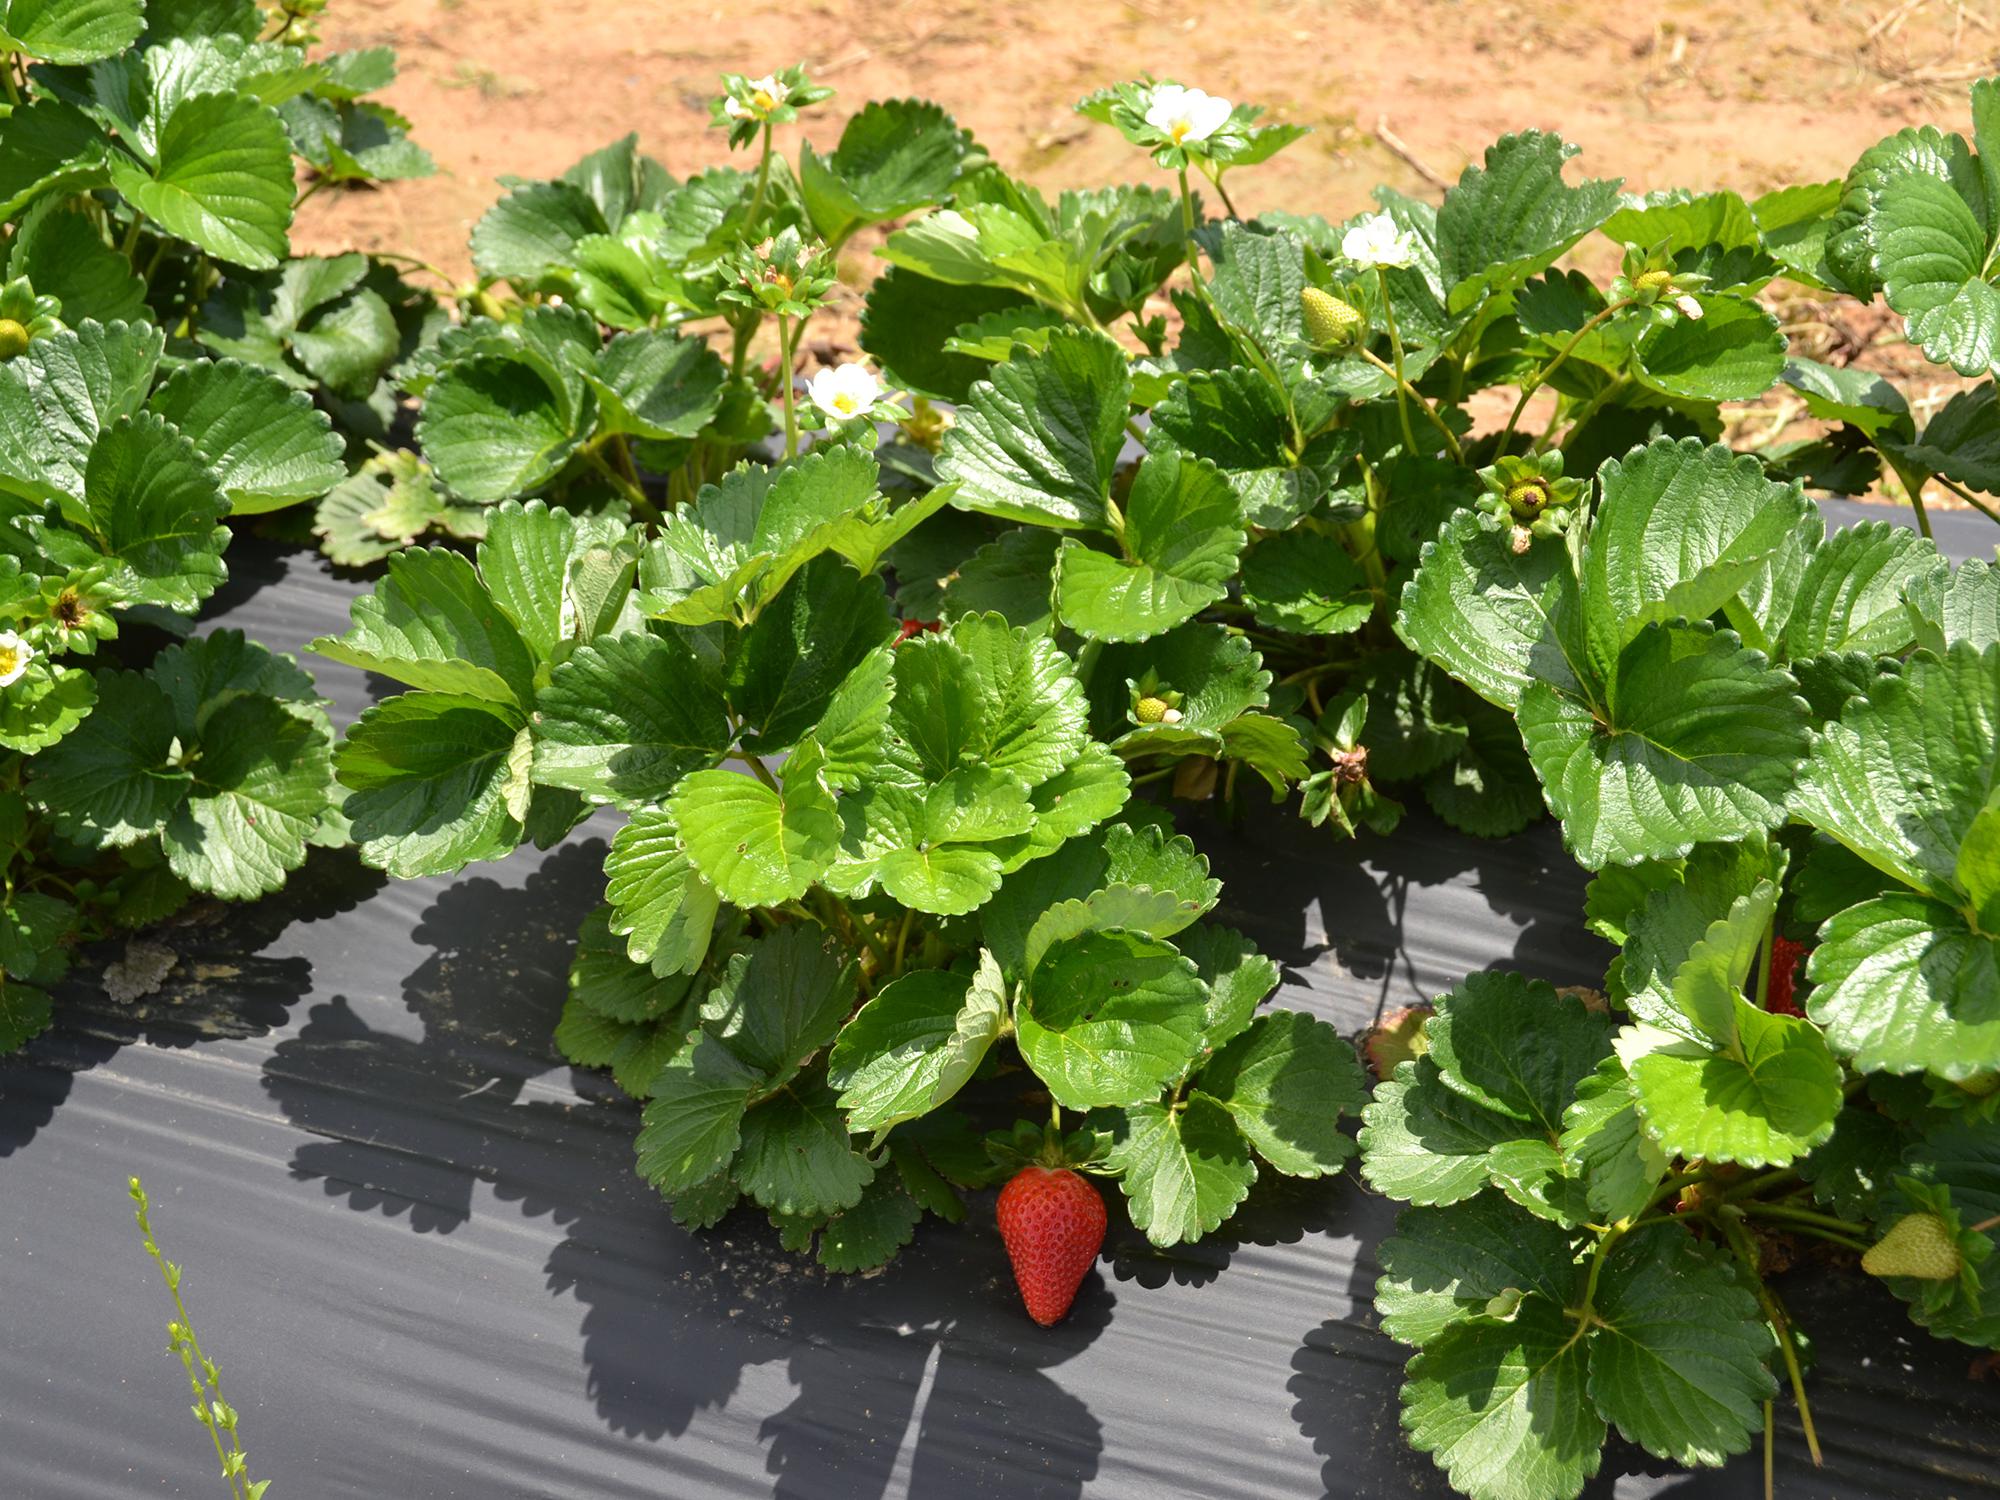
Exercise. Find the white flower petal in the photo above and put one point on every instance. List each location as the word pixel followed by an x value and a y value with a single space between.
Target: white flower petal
pixel 15 654
pixel 844 391
pixel 1186 114
pixel 1377 241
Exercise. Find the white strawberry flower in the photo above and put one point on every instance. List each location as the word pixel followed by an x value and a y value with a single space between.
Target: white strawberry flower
pixel 844 392
pixel 766 94
pixel 1377 241
pixel 15 654
pixel 1185 115
pixel 1689 308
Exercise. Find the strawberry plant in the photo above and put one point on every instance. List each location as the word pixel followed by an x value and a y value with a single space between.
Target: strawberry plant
pixel 1757 734
pixel 147 181
pixel 876 892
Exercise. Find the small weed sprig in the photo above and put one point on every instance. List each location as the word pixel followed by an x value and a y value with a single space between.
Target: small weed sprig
pixel 204 1379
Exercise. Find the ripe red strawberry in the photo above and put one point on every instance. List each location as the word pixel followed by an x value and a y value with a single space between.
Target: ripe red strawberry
pixel 911 628
pixel 1786 956
pixel 1053 1224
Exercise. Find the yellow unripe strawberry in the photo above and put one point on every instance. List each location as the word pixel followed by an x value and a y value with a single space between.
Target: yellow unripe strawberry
pixel 1329 321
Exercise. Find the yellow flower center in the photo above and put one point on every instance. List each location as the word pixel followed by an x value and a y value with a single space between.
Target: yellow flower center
pixel 764 100
pixel 845 404
pixel 1179 129
pixel 10 658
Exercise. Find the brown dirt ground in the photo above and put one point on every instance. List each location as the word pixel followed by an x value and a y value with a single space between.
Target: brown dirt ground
pixel 1750 94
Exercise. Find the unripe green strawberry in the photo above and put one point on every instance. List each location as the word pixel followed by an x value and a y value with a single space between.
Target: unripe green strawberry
pixel 1152 711
pixel 1919 1245
pixel 1329 321
pixel 13 339
pixel 1655 281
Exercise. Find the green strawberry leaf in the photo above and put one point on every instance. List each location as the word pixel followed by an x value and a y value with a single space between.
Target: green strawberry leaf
pixel 1511 218
pixel 496 425
pixel 796 1156
pixel 1501 1406
pixel 258 786
pixel 71 31
pixel 626 718
pixel 1108 1017
pixel 1603 1143
pixel 1183 1170
pixel 660 904
pixel 1678 1359
pixel 220 177
pixel 1770 1098
pixel 1444 1266
pixel 63 252
pixel 655 385
pixel 1038 439
pixel 867 1236
pixel 431 623
pixel 435 780
pixel 1237 419
pixel 43 707
pixel 1425 1143
pixel 895 156
pixel 1012 576
pixel 1474 1042
pixel 916 1044
pixel 984 691
pixel 604 981
pixel 61 395
pixel 534 230
pixel 1285 1081
pixel 1734 352
pixel 49 147
pixel 781 1001
pixel 265 444
pixel 1700 740
pixel 693 1122
pixel 1902 984
pixel 757 846
pixel 1307 583
pixel 154 508
pixel 1181 537
pixel 112 781
pixel 1483 612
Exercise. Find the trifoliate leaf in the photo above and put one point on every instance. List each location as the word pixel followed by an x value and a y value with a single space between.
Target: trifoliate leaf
pixel 257 788
pixel 1501 1406
pixel 1771 1098
pixel 1109 1017
pixel 660 903
pixel 656 385
pixel 1850 598
pixel 984 690
pixel 533 230
pixel 784 670
pixel 1012 576
pixel 756 845
pixel 1511 218
pixel 1237 975
pixel 895 156
pixel 71 31
pixel 605 981
pixel 112 781
pixel 155 508
pixel 1306 582
pixel 1900 779
pixel 849 732
pixel 1677 1361
pixel 49 147
pixel 1932 245
pixel 1424 1143
pixel 1183 1170
pixel 62 250
pixel 265 443
pixel 1681 528
pixel 1254 284
pixel 220 177
pixel 1286 1081
pixel 1734 352
pixel 626 718
pixel 494 426
pixel 1038 440
pixel 41 708
pixel 1700 740
pixel 1476 1045
pixel 1482 611
pixel 868 1235
pixel 1902 984
pixel 435 780
pixel 1237 419
pixel 1181 537
pixel 916 1043
pixel 781 1001
pixel 694 1121
pixel 61 394
pixel 1668 909
pixel 796 1156
pixel 1603 1143
pixel 432 624
pixel 1443 1266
